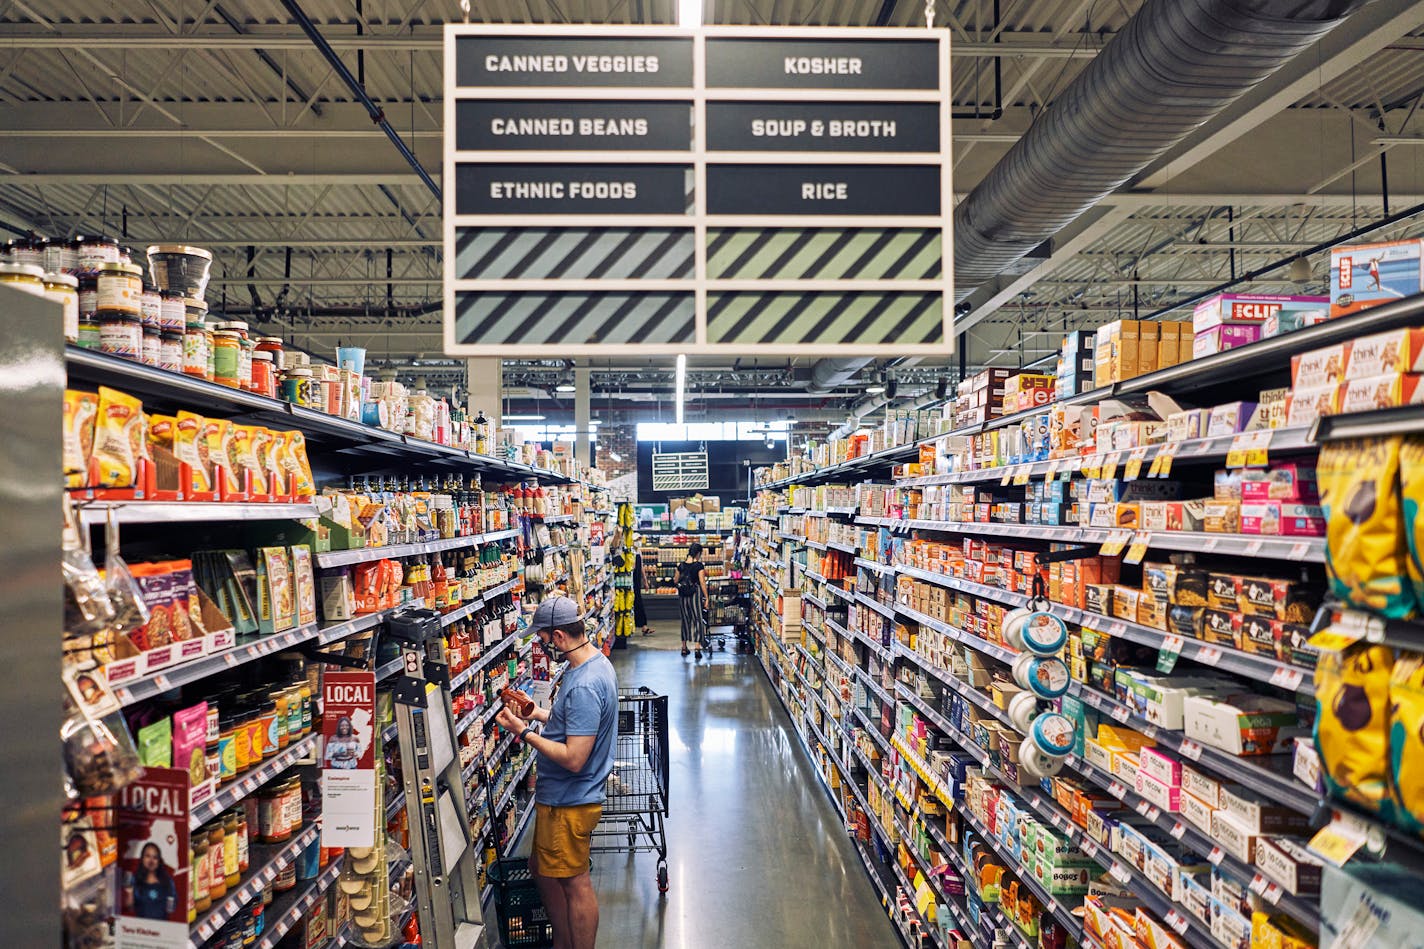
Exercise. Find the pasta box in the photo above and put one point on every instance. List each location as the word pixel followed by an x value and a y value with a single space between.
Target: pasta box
pixel 1242 724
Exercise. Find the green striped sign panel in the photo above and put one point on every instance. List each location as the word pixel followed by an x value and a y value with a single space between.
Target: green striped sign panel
pixel 825 318
pixel 573 253
pixel 823 254
pixel 574 319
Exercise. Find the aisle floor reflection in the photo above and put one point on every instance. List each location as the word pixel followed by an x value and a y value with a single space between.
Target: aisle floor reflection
pixel 757 855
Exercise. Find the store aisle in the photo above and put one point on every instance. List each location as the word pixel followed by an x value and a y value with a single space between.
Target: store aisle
pixel 751 833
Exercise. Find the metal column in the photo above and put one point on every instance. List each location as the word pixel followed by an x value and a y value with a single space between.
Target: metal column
pixel 446 869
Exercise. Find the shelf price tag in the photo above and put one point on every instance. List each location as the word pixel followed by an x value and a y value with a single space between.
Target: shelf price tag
pixel 1287 677
pixel 1007 477
pixel 1178 830
pixel 1299 550
pixel 1165 457
pixel 1168 654
pixel 1115 543
pixel 1209 655
pixel 1140 542
pixel 1093 466
pixel 1338 840
pixel 1177 921
pixel 1133 469
pixel 1110 467
pixel 1216 856
pixel 1191 749
pixel 1120 714
pixel 1117 789
pixel 1119 873
pixel 1021 475
pixel 1249 450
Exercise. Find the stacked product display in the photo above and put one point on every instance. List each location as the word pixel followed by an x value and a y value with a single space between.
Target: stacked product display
pixel 1130 656
pixel 226 554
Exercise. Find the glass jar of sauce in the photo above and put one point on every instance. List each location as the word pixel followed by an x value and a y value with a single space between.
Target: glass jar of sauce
pixel 59 257
pixel 121 288
pixel 172 314
pixel 227 353
pixel 151 307
pixel 64 290
pixel 197 344
pixel 170 351
pixel 29 252
pixel 24 277
pixel 91 253
pixel 151 344
pixel 201 873
pixel 298 386
pixel 120 333
pixel 264 376
pixel 273 345
pixel 217 882
pixel 231 868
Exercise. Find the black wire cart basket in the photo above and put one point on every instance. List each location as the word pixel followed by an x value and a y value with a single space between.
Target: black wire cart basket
pixel 636 804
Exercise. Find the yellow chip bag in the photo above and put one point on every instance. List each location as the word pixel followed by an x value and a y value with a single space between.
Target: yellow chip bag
pixel 1365 551
pixel 215 433
pixel 295 459
pixel 161 430
pixel 192 448
pixel 1352 721
pixel 80 410
pixel 1406 739
pixel 118 434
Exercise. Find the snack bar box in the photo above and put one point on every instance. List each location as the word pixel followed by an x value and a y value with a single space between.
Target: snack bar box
pixel 1251 309
pixel 1366 275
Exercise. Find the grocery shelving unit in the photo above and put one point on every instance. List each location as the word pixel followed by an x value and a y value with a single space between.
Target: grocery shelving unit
pixel 339 450
pixel 887 675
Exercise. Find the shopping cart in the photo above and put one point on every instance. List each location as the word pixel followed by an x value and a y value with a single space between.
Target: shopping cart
pixel 636 804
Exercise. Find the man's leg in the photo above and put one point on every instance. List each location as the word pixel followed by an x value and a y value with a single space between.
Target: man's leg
pixel 582 905
pixel 555 903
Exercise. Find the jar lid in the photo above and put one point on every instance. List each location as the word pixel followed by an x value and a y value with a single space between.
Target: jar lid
pixel 172 334
pixel 270 339
pixel 149 288
pixel 22 270
pixel 64 279
pixel 227 334
pixel 262 356
pixel 171 294
pixel 128 270
pixel 96 239
pixel 236 326
pixel 111 313
pixel 179 249
pixel 191 304
pixel 299 371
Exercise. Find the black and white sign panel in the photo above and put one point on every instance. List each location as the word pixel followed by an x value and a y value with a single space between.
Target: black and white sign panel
pixel 822 127
pixel 582 61
pixel 823 189
pixel 643 190
pixel 572 189
pixel 515 124
pixel 773 63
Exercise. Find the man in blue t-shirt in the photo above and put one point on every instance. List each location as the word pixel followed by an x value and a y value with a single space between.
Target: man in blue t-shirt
pixel 575 756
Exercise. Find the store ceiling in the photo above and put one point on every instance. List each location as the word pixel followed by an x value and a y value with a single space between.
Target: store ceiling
pixel 216 122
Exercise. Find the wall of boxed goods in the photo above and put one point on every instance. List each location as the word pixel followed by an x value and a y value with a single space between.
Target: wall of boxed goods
pixel 1128 653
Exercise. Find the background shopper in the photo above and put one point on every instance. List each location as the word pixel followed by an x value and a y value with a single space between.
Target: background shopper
pixel 575 756
pixel 693 600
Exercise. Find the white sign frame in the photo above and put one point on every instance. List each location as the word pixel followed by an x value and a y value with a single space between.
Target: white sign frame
pixel 699 220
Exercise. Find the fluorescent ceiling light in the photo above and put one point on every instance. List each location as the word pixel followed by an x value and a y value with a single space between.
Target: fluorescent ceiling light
pixel 524 418
pixel 681 383
pixel 689 14
pixel 566 387
pixel 874 390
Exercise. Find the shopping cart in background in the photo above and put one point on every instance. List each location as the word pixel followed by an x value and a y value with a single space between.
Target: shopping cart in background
pixel 636 804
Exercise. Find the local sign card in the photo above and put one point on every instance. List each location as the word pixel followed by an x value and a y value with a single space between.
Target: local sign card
pixel 154 889
pixel 348 759
pixel 657 190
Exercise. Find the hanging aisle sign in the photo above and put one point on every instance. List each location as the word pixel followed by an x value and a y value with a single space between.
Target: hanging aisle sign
pixel 655 190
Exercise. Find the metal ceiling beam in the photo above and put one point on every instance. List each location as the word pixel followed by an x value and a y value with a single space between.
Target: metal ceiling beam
pixel 43 179
pixel 1024 44
pixel 100 132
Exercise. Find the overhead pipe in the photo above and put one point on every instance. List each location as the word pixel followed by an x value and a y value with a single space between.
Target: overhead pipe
pixel 1175 65
pixel 377 114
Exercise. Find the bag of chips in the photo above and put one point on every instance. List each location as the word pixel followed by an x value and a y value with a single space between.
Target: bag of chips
pixel 1365 551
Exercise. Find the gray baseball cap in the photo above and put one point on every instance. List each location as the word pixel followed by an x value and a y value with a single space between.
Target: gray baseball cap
pixel 558 611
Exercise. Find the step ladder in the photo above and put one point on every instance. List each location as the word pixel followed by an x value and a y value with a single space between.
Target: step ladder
pixel 446 870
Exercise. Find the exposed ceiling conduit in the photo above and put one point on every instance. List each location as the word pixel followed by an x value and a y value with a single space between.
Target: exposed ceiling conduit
pixel 377 114
pixel 828 374
pixel 1171 69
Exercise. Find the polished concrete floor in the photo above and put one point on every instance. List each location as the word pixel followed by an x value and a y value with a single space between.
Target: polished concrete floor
pixel 757 855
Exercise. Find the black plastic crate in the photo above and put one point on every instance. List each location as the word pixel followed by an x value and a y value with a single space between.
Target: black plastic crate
pixel 522 919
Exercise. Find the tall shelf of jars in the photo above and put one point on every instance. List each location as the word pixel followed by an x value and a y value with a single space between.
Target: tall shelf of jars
pixel 231 541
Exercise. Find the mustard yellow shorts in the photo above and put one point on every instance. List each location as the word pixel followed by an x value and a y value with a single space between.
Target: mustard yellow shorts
pixel 561 839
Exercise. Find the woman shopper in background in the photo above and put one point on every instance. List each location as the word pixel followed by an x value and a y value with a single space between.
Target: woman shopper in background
pixel 692 598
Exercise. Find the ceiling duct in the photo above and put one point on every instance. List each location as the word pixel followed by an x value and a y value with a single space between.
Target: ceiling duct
pixel 1176 65
pixel 828 374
